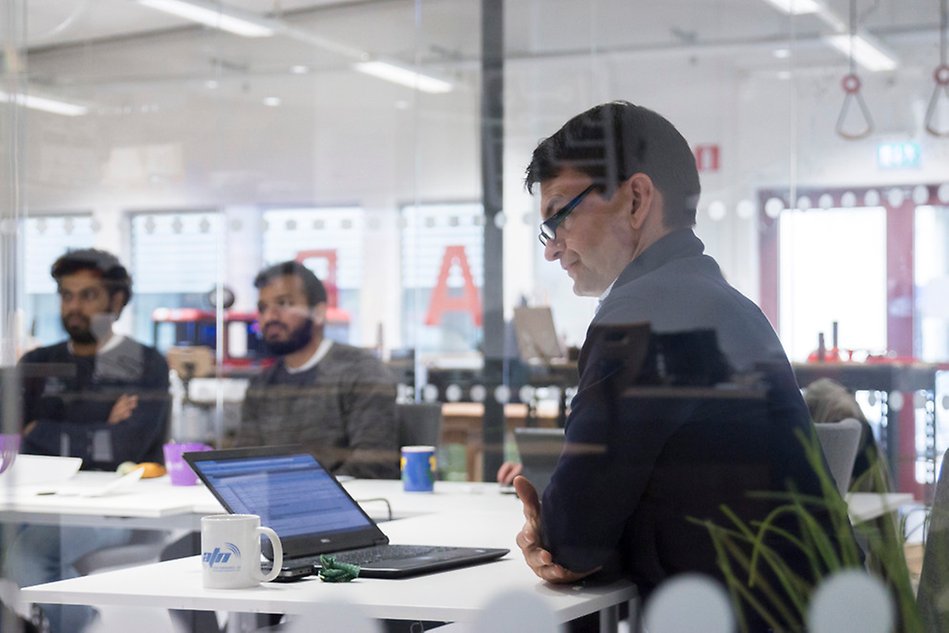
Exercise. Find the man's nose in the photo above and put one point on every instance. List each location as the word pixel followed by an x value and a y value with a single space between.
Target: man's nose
pixel 552 250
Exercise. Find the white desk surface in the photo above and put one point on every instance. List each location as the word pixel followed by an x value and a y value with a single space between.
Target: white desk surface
pixel 156 503
pixel 145 498
pixel 456 513
pixel 448 497
pixel 455 595
pixel 158 499
pixel 864 506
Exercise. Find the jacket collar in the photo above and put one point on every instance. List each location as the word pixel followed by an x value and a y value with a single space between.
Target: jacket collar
pixel 676 245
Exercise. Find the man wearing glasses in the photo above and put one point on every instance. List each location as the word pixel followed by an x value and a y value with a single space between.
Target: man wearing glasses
pixel 618 194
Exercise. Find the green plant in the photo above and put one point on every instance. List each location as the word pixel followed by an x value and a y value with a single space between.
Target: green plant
pixel 757 575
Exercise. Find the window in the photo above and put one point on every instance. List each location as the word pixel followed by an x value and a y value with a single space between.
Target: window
pixel 833 268
pixel 931 268
pixel 176 262
pixel 442 276
pixel 329 242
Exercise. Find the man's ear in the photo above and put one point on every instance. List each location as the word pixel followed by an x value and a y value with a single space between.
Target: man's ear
pixel 319 314
pixel 116 303
pixel 642 198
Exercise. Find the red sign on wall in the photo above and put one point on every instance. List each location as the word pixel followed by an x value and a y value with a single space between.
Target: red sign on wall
pixel 443 300
pixel 707 157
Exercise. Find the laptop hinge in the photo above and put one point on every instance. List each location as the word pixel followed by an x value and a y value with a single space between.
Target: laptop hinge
pixel 382 541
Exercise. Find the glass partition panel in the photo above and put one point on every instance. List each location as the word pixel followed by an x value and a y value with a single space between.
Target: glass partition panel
pixel 382 145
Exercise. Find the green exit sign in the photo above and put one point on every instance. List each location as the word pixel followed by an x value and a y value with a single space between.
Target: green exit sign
pixel 904 155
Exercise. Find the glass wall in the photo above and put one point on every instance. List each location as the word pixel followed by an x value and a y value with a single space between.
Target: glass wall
pixel 351 136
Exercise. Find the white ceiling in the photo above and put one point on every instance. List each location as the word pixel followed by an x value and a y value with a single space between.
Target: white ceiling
pixel 112 45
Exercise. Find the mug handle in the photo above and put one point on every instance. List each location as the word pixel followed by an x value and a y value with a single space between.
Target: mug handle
pixel 277 555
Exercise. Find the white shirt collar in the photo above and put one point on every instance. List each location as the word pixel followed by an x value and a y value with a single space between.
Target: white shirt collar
pixel 606 293
pixel 311 362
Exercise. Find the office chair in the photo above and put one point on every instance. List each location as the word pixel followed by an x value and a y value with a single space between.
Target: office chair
pixel 145 546
pixel 839 441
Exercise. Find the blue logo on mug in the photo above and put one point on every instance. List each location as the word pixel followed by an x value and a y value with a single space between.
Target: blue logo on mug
pixel 217 557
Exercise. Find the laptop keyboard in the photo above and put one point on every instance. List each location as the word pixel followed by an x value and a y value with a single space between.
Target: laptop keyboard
pixel 390 552
pixel 369 555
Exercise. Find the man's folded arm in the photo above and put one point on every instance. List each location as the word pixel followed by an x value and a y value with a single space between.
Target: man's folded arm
pixel 611 446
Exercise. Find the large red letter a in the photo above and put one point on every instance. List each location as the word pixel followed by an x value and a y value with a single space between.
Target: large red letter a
pixel 442 301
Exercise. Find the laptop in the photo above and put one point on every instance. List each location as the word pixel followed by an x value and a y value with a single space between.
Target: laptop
pixel 313 514
pixel 539 450
pixel 537 339
pixel 31 470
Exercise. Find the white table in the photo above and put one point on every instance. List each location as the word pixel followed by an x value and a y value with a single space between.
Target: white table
pixel 448 497
pixel 864 506
pixel 455 513
pixel 156 503
pixel 455 595
pixel 150 503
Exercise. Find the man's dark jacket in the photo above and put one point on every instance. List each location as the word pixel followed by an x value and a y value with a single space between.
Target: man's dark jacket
pixel 635 469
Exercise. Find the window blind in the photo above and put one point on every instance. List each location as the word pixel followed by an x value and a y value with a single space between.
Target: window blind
pixel 176 252
pixel 46 237
pixel 428 229
pixel 291 231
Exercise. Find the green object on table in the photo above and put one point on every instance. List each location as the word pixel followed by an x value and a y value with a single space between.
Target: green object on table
pixel 331 571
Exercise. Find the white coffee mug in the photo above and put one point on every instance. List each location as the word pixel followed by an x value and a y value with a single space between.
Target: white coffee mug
pixel 230 551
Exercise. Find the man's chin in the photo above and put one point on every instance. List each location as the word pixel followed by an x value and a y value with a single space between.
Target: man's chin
pixel 282 348
pixel 82 337
pixel 583 291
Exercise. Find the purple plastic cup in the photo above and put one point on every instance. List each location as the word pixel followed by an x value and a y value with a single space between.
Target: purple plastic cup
pixel 179 471
pixel 9 447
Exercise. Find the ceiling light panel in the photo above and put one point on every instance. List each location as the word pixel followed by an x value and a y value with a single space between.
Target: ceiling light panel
pixel 399 74
pixel 213 15
pixel 795 7
pixel 868 53
pixel 45 104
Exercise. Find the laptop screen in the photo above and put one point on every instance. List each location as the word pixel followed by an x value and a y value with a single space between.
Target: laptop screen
pixel 536 336
pixel 292 493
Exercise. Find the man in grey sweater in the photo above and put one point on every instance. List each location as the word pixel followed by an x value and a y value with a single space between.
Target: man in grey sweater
pixel 338 401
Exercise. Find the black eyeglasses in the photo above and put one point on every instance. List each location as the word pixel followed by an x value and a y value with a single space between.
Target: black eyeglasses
pixel 548 228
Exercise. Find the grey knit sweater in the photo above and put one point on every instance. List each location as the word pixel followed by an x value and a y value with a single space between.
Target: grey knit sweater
pixel 342 410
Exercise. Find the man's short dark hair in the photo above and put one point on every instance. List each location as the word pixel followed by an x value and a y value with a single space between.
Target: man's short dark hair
pixel 113 274
pixel 312 287
pixel 613 141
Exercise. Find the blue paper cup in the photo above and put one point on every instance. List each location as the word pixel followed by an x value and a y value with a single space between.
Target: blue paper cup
pixel 418 468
